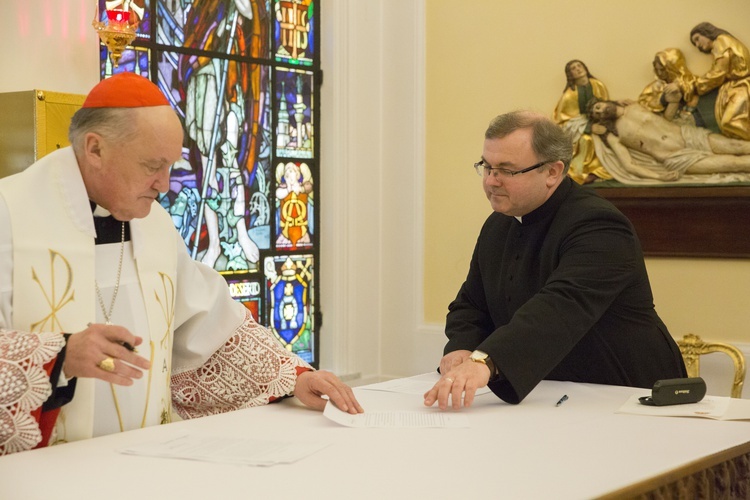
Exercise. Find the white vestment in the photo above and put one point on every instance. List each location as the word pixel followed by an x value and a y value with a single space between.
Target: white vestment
pixel 191 328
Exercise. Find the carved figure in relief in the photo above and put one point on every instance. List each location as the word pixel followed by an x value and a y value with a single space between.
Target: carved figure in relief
pixel 636 145
pixel 672 93
pixel 730 73
pixel 570 113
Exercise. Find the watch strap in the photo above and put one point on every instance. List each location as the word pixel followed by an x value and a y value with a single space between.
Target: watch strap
pixel 487 360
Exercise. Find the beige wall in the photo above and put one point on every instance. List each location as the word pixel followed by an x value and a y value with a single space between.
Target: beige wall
pixel 48 45
pixel 485 57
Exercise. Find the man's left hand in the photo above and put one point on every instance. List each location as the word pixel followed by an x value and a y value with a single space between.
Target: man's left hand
pixel 311 385
pixel 462 380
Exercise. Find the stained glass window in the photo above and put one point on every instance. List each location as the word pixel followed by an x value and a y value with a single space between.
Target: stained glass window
pixel 243 76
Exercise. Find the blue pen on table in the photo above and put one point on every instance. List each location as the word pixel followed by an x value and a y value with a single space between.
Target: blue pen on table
pixel 562 400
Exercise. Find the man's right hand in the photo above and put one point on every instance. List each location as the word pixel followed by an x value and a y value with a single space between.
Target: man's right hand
pixel 459 384
pixel 85 351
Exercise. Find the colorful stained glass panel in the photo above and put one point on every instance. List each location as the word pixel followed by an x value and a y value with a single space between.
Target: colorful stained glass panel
pixel 134 60
pixel 228 27
pixel 294 36
pixel 295 207
pixel 248 291
pixel 241 76
pixel 294 113
pixel 289 282
pixel 219 197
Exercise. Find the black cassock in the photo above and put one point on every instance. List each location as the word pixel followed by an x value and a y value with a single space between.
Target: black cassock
pixel 564 295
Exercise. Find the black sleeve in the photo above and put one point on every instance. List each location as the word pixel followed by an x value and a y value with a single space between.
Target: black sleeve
pixel 468 322
pixel 63 395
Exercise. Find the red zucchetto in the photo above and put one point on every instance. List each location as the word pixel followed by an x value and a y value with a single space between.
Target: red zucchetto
pixel 125 90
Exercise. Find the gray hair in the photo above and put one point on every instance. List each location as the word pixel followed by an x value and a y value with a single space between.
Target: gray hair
pixel 110 123
pixel 548 141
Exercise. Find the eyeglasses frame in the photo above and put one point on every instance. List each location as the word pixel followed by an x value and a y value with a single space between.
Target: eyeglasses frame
pixel 482 166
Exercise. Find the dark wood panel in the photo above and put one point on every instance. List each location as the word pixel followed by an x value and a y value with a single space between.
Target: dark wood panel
pixel 687 221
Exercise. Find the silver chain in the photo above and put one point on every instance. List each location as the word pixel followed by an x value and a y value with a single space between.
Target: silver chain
pixel 107 315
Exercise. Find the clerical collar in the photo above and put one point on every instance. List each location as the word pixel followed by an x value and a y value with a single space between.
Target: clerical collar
pixel 108 229
pixel 99 211
pixel 551 205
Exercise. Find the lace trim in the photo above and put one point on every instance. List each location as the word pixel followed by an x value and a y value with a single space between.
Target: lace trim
pixel 251 369
pixel 24 385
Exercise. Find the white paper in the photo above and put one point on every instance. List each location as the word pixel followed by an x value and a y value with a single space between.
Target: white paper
pixel 413 385
pixel 715 407
pixel 227 450
pixel 412 419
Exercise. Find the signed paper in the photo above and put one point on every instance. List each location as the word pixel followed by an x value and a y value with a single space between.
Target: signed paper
pixel 411 419
pixel 417 385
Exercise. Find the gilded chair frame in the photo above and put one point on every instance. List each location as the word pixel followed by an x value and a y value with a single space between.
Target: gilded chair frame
pixel 693 347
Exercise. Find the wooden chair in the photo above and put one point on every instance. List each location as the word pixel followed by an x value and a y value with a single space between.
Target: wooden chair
pixel 693 347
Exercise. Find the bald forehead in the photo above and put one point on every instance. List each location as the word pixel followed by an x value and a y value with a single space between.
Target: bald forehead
pixel 165 113
pixel 157 120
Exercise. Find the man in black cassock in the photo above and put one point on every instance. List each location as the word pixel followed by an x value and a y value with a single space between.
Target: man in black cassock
pixel 557 287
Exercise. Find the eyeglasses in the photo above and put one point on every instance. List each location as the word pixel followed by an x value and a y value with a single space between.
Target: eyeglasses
pixel 484 169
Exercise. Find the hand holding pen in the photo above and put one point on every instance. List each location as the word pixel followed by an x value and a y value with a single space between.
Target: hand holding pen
pixel 106 352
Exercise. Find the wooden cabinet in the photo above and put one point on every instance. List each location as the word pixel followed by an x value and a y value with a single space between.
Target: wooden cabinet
pixel 32 124
pixel 710 221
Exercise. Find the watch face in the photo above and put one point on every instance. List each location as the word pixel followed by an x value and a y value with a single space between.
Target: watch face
pixel 479 356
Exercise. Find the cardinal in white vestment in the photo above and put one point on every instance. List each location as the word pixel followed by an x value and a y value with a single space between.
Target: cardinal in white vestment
pixel 106 323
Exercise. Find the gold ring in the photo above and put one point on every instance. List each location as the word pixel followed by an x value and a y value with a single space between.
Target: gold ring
pixel 107 364
pixel 449 379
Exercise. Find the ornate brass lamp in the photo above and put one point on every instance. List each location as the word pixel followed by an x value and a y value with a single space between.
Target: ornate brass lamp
pixel 116 33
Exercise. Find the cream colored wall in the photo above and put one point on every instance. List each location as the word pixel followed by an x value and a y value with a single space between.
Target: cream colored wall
pixel 48 45
pixel 485 57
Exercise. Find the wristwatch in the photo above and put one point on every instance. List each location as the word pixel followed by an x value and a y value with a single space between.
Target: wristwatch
pixel 484 358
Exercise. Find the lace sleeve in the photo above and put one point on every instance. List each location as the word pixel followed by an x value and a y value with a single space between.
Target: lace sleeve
pixel 24 386
pixel 252 368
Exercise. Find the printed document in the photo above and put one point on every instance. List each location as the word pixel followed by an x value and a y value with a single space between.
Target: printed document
pixel 417 385
pixel 411 419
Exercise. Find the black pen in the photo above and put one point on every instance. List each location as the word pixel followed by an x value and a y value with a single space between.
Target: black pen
pixel 124 344
pixel 562 400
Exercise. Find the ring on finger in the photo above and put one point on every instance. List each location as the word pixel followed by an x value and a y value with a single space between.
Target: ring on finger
pixel 107 364
pixel 449 379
